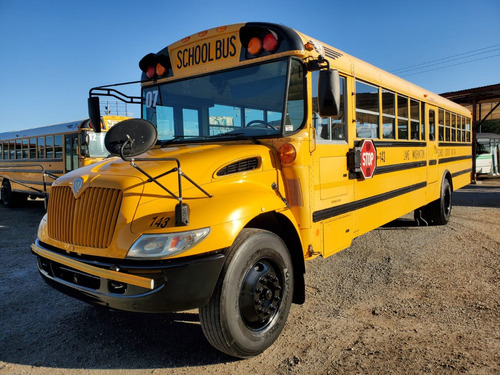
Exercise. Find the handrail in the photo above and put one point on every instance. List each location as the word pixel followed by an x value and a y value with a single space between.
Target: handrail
pixel 44 173
pixel 181 209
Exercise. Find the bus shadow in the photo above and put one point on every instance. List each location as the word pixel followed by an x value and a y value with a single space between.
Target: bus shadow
pixel 95 338
pixel 402 222
pixel 487 196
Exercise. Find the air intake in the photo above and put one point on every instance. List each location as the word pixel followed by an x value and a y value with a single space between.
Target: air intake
pixel 239 166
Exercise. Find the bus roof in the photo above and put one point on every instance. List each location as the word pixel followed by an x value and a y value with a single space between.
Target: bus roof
pixel 365 71
pixel 487 136
pixel 207 50
pixel 66 127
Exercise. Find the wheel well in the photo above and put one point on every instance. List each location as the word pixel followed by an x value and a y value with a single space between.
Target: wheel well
pixel 447 176
pixel 282 227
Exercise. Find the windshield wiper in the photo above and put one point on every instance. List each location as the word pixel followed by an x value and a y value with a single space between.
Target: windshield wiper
pixel 238 135
pixel 178 139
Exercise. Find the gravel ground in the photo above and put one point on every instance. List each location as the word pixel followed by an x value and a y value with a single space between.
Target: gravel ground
pixel 402 299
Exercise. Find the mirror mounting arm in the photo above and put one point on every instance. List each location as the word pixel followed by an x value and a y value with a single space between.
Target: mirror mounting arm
pixel 318 64
pixel 181 209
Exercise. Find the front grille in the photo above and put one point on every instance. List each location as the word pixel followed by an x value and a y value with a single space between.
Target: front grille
pixel 87 221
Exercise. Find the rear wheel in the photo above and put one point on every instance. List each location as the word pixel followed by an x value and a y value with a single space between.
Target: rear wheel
pixel 440 209
pixel 252 299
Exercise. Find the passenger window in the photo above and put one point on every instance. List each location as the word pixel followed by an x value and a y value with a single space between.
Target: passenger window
pixel 414 119
pixel 422 121
pixel 441 125
pixel 402 117
pixel 388 114
pixel 447 126
pixel 432 125
pixel 367 110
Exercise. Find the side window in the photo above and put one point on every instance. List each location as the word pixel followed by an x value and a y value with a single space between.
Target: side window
pixel 422 121
pixel 402 117
pixel 32 148
pixel 49 147
pixel 330 128
pixel 367 110
pixel 467 130
pixel 447 126
pixel 441 125
pixel 19 145
pixel 41 147
pixel 12 150
pixel 453 127
pixel 388 114
pixel 25 152
pixel 58 146
pixel 432 125
pixel 414 119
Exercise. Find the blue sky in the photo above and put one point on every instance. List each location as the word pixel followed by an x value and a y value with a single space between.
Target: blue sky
pixel 52 52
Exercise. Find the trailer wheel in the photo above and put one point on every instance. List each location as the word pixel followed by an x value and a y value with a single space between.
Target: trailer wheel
pixel 253 295
pixel 440 209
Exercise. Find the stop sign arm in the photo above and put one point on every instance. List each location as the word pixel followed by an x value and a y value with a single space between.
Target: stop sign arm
pixel 362 160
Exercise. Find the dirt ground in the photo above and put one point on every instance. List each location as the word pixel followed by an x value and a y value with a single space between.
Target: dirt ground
pixel 402 299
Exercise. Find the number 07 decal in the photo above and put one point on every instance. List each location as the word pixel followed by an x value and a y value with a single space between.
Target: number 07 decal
pixel 151 98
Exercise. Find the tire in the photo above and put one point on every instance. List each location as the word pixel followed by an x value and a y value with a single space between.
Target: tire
pixel 440 209
pixel 11 199
pixel 253 295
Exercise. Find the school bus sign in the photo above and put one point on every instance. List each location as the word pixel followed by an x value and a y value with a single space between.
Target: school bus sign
pixel 368 158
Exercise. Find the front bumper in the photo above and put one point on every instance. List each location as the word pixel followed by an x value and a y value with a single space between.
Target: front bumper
pixel 142 286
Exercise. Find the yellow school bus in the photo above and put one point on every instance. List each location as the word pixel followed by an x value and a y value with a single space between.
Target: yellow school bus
pixel 259 148
pixel 31 159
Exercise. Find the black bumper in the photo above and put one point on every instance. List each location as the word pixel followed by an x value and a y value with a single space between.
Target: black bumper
pixel 181 284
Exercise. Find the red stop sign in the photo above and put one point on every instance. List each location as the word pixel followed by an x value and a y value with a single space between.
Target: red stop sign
pixel 368 158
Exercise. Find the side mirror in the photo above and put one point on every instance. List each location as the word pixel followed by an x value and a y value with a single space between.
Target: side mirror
pixel 329 93
pixel 130 138
pixel 95 113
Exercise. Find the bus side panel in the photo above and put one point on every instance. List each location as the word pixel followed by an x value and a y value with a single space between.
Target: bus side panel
pixel 398 187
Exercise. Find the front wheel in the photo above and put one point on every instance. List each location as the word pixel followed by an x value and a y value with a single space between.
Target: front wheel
pixel 252 299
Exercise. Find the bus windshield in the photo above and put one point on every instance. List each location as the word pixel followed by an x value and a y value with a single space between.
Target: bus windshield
pixel 483 146
pixel 248 102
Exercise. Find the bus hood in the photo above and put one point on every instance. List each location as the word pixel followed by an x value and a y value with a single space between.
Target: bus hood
pixel 125 202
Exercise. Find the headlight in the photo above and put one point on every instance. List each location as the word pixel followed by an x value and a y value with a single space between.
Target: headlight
pixel 155 246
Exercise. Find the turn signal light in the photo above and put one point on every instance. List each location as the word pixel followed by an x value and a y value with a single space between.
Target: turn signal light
pixel 287 153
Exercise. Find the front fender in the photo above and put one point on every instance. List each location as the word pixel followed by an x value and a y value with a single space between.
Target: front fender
pixel 231 207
